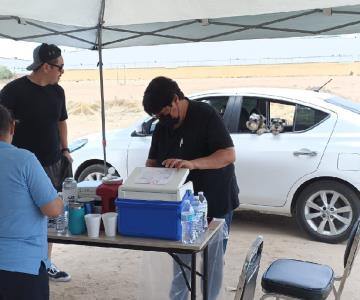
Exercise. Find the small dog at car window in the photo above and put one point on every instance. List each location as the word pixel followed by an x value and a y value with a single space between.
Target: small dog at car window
pixel 277 125
pixel 257 124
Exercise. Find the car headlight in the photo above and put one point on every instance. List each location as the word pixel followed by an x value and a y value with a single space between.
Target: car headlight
pixel 76 145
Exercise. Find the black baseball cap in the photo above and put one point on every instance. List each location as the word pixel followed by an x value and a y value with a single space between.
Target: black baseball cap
pixel 43 54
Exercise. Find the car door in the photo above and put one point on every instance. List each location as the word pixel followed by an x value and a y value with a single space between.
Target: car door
pixel 141 138
pixel 268 165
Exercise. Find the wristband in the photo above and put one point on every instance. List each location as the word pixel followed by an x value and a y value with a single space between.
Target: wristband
pixel 65 149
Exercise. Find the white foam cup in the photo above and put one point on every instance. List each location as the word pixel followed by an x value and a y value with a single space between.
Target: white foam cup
pixel 110 221
pixel 93 224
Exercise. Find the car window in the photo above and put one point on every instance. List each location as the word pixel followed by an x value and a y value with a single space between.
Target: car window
pixel 219 103
pixel 285 112
pixel 294 117
pixel 307 117
pixel 250 105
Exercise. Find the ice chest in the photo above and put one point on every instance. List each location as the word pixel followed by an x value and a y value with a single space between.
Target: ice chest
pixel 150 202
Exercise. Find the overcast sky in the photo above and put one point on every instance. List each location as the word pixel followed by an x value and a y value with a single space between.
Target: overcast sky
pixel 337 48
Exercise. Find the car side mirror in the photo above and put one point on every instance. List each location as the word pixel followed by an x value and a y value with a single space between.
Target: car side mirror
pixel 144 129
pixel 137 133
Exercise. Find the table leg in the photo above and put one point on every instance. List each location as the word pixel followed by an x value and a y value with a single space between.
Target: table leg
pixel 205 273
pixel 193 276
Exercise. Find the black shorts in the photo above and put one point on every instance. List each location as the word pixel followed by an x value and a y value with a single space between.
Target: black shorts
pixel 58 171
pixel 22 286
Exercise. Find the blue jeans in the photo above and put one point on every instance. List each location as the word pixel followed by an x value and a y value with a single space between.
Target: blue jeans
pixel 179 290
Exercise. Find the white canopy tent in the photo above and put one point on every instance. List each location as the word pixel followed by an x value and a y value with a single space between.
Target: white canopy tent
pixel 125 23
pixel 99 24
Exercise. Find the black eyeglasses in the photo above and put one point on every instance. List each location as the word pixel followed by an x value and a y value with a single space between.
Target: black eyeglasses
pixel 60 68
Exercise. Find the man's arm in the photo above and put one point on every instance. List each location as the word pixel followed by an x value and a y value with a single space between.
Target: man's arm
pixel 63 139
pixel 53 208
pixel 219 159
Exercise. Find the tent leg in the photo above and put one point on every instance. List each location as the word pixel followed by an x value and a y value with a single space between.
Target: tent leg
pixel 103 127
pixel 101 21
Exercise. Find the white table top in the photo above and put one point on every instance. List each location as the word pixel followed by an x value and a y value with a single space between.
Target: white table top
pixel 120 241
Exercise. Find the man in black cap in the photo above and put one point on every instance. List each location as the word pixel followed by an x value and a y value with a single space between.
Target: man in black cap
pixel 38 104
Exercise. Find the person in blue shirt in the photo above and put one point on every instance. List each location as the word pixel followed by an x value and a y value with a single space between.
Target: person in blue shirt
pixel 27 198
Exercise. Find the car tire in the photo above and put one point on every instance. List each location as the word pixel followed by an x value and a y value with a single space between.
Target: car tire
pixel 327 210
pixel 92 172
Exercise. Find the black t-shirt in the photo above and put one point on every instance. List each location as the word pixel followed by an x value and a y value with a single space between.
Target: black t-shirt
pixel 201 134
pixel 38 110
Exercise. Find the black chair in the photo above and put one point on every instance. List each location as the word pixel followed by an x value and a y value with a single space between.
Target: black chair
pixel 295 279
pixel 247 281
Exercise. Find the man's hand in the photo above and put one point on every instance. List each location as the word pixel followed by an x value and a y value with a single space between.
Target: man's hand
pixel 68 156
pixel 178 164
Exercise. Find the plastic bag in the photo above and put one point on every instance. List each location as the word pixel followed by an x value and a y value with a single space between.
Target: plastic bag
pixel 162 277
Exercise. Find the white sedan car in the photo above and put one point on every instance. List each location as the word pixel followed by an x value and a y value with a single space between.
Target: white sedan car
pixel 300 157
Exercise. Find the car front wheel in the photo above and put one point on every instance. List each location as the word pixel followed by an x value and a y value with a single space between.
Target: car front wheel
pixel 92 172
pixel 327 210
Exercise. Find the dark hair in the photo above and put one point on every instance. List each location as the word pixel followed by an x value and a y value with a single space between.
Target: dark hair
pixel 160 93
pixel 5 120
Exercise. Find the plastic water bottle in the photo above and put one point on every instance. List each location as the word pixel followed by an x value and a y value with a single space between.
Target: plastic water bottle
pixel 198 218
pixel 203 208
pixel 61 221
pixel 69 195
pixel 187 221
pixel 69 190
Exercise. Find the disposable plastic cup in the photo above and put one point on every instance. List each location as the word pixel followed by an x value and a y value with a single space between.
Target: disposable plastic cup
pixel 93 224
pixel 110 221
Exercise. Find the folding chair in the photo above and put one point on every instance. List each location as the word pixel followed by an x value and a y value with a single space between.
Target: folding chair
pixel 247 282
pixel 295 279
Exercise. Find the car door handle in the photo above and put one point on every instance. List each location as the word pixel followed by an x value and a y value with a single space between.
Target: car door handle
pixel 306 152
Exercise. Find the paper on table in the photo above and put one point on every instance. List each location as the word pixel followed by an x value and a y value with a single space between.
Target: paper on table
pixel 158 176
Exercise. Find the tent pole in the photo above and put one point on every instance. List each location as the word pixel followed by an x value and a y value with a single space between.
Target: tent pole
pixel 99 42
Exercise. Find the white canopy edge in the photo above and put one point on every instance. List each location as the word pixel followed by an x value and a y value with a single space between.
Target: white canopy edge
pixel 85 13
pixel 312 22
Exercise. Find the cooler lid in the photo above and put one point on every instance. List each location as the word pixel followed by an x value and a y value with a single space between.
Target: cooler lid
pixel 158 180
pixel 89 184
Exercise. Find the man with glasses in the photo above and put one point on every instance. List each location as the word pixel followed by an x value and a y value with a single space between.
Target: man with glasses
pixel 38 104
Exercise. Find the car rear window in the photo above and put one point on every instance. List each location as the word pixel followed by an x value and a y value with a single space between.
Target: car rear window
pixel 307 117
pixel 346 104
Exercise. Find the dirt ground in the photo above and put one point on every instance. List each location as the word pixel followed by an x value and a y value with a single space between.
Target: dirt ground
pixel 99 273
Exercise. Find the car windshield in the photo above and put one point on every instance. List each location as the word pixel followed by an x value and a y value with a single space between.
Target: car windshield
pixel 346 104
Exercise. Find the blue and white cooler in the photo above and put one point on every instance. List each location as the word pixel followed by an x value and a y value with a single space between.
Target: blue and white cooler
pixel 150 200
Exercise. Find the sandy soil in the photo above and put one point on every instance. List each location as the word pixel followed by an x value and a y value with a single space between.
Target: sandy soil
pixel 99 273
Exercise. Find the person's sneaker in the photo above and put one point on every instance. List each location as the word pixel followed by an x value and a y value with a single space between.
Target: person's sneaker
pixel 56 275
